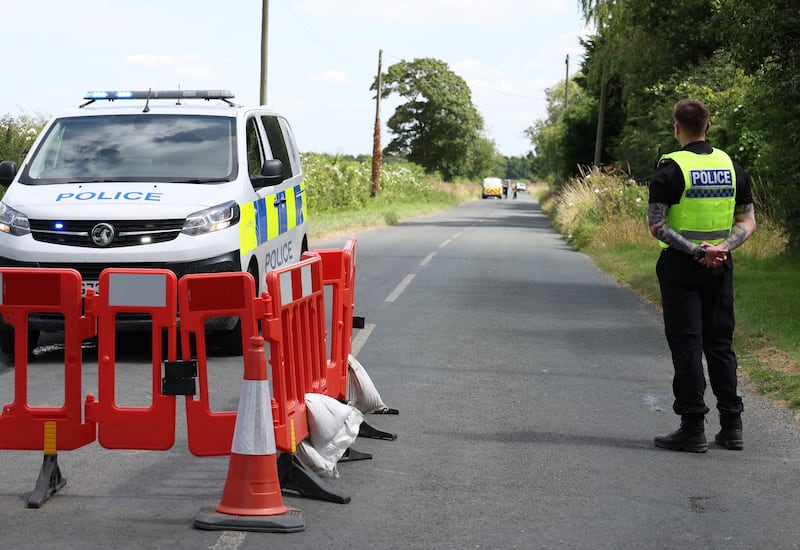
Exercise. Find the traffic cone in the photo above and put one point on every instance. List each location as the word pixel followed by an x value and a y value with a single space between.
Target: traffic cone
pixel 251 499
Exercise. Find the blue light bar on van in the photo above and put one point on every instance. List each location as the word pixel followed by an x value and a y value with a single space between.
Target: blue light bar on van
pixel 158 94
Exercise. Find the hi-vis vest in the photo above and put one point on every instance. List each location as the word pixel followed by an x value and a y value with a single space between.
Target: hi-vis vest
pixel 705 212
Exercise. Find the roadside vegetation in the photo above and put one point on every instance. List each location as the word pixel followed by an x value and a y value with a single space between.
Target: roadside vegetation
pixel 339 198
pixel 604 214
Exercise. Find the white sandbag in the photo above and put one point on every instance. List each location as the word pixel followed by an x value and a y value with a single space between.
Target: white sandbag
pixel 309 456
pixel 361 392
pixel 332 428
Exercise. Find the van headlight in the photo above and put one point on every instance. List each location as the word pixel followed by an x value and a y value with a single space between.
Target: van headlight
pixel 212 219
pixel 12 221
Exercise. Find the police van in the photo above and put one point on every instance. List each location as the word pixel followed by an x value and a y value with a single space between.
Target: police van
pixel 185 180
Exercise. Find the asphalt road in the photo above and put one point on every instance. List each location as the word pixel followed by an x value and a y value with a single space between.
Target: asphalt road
pixel 529 386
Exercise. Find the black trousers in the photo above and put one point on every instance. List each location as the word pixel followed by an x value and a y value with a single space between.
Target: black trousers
pixel 699 319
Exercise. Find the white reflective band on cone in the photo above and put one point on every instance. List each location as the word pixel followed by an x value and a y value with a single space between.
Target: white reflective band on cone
pixel 254 433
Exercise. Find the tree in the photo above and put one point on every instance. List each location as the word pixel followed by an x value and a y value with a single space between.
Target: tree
pixel 764 36
pixel 17 135
pixel 565 139
pixel 638 46
pixel 437 127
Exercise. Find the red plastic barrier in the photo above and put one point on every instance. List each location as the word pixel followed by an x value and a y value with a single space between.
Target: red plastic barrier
pixel 202 296
pixel 297 345
pixel 150 292
pixel 339 273
pixel 54 291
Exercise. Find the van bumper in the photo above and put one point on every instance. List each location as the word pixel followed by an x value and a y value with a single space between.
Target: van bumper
pixel 90 272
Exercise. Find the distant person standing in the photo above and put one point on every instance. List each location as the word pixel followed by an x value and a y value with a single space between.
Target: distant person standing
pixel 700 209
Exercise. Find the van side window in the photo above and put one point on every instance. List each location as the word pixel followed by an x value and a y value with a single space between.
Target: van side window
pixel 291 145
pixel 277 144
pixel 255 156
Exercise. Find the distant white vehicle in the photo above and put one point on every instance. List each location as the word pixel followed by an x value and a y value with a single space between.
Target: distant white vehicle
pixel 521 186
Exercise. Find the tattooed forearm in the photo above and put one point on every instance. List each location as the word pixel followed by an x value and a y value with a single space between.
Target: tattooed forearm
pixel 744 225
pixel 657 218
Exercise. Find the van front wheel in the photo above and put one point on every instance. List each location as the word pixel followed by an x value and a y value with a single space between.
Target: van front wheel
pixel 230 341
pixel 7 344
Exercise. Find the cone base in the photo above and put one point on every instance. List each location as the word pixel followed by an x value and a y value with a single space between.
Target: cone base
pixel 210 520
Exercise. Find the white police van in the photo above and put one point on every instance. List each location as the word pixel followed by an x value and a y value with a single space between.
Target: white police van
pixel 184 180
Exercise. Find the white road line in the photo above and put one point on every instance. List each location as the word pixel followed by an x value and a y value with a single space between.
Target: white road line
pixel 448 241
pixel 400 288
pixel 229 540
pixel 428 258
pixel 361 338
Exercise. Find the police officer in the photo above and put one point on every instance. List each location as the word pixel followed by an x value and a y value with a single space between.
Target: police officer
pixel 700 209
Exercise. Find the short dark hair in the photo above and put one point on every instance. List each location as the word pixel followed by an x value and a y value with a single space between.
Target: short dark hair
pixel 693 116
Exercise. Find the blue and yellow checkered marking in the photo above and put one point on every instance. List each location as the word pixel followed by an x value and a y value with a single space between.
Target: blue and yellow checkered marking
pixel 712 193
pixel 265 219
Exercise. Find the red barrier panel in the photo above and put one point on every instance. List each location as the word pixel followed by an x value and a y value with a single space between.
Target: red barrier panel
pixel 202 296
pixel 134 292
pixel 48 291
pixel 297 345
pixel 339 273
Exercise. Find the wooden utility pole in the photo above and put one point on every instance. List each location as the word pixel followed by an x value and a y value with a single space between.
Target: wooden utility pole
pixel 566 86
pixel 264 42
pixel 601 115
pixel 377 155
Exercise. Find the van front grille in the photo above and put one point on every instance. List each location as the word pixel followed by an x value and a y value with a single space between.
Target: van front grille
pixel 88 233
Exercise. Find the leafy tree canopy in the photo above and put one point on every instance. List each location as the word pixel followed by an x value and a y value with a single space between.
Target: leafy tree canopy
pixel 437 127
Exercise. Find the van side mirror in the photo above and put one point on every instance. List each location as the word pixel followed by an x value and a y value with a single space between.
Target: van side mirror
pixel 271 174
pixel 8 169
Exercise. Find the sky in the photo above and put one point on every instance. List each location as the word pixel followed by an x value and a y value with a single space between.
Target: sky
pixel 322 57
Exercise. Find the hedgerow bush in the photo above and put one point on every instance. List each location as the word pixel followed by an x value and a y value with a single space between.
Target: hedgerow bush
pixel 587 206
pixel 335 183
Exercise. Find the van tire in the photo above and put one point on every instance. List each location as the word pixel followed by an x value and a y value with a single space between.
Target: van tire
pixel 230 341
pixel 7 344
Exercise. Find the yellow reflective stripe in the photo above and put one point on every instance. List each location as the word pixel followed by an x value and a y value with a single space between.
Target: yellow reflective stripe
pixel 248 240
pixel 291 209
pixel 273 229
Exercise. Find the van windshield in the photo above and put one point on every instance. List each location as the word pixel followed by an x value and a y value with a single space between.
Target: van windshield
pixel 141 147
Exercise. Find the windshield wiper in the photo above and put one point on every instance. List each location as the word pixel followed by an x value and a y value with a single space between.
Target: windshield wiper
pixel 200 180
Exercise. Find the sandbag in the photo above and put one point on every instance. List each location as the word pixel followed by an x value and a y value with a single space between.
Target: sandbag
pixel 332 428
pixel 361 392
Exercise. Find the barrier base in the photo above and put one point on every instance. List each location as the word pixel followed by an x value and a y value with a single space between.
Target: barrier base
pixel 299 478
pixel 365 430
pixel 210 520
pixel 50 481
pixel 351 454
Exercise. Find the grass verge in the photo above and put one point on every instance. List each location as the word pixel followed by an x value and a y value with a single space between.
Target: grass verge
pixel 378 213
pixel 766 285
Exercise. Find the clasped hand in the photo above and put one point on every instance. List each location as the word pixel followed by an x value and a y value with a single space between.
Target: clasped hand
pixel 714 257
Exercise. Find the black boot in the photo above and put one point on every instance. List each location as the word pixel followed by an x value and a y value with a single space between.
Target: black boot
pixel 691 436
pixel 730 436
